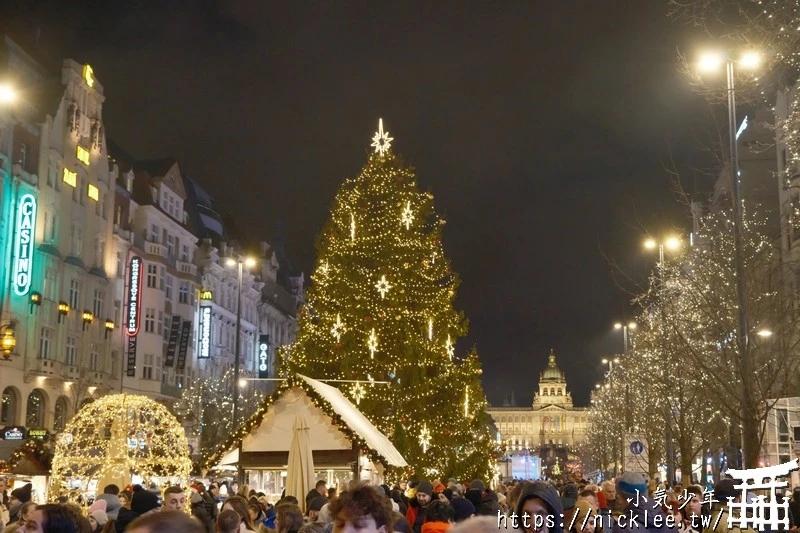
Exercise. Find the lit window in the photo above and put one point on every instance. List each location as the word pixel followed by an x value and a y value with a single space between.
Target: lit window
pixel 70 178
pixel 83 155
pixel 93 193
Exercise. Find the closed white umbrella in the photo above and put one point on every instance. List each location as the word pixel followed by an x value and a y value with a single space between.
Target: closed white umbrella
pixel 300 477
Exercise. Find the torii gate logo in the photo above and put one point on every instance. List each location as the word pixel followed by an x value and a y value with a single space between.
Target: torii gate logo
pixel 760 512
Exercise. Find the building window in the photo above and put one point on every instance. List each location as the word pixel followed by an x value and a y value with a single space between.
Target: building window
pixel 34 413
pixel 60 416
pixel 51 175
pixel 94 359
pixel 161 273
pixel 153 237
pixel 8 413
pixel 44 343
pixel 152 271
pixel 69 357
pixel 160 325
pixel 149 320
pixel 71 179
pixel 74 293
pixel 184 253
pixel 117 311
pixel 23 155
pixel 50 231
pixel 170 245
pixel 97 306
pixel 76 240
pixel 168 287
pixel 147 366
pixel 167 324
pixel 183 293
pixel 157 372
pixel 120 265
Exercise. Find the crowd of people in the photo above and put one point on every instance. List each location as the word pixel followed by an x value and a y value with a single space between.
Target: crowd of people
pixel 626 504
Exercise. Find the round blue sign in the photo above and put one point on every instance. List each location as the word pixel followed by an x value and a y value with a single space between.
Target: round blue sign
pixel 637 447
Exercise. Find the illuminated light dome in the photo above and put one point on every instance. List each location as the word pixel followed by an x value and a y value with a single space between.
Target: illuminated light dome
pixel 552 373
pixel 115 438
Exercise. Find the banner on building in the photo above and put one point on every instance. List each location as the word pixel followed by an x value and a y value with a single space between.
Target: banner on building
pixel 134 295
pixel 204 351
pixel 172 343
pixel 263 356
pixel 131 356
pixel 186 332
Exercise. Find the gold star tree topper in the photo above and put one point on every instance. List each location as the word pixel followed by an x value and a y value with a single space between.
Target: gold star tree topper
pixel 381 141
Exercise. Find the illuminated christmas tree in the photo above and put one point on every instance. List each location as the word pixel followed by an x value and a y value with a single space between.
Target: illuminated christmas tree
pixel 381 310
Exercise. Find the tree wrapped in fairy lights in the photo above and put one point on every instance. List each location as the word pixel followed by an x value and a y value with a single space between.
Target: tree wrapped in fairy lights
pixel 684 373
pixel 381 309
pixel 115 438
pixel 206 409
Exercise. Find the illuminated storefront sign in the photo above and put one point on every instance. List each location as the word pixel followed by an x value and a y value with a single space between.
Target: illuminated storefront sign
pixel 263 356
pixel 206 294
pixel 14 433
pixel 23 251
pixel 134 294
pixel 205 332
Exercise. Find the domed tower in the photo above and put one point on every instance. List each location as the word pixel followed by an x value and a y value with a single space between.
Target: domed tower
pixel 552 386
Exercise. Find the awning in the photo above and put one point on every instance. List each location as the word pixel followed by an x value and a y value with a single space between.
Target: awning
pixel 356 421
pixel 230 458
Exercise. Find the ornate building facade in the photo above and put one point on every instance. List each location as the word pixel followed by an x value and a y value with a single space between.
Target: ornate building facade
pixel 546 433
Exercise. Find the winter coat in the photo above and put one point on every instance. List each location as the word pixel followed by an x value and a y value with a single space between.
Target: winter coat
pixel 199 512
pixel 125 517
pixel 636 520
pixel 415 516
pixel 211 506
pixel 489 505
pixel 722 527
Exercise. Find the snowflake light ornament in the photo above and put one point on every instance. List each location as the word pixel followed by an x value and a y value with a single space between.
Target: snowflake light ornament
pixel 449 348
pixel 338 328
pixel 425 438
pixel 407 216
pixel 430 329
pixel 352 227
pixel 381 141
pixel 358 392
pixel 383 286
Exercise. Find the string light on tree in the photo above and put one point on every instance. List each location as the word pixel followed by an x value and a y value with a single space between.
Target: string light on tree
pixel 381 141
pixel 407 217
pixel 372 343
pixel 338 328
pixel 383 286
pixel 424 438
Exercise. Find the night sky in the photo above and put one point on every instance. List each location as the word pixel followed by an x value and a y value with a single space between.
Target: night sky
pixel 545 130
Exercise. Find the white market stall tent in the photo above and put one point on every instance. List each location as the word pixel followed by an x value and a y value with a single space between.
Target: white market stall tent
pixel 337 437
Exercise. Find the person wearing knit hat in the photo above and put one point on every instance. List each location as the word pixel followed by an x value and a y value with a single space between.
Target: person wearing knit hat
pixel 19 496
pixel 639 513
pixel 477 484
pixel 416 509
pixel 98 520
pixel 462 509
pixel 142 502
pixel 112 504
pixel 98 505
pixel 540 505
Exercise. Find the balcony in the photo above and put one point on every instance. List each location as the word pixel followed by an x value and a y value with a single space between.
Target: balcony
pixel 186 268
pixel 47 367
pixel 153 248
pixel 72 373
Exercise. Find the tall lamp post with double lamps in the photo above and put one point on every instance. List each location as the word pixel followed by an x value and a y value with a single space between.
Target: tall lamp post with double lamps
pixel 239 262
pixel 671 244
pixel 711 62
pixel 626 329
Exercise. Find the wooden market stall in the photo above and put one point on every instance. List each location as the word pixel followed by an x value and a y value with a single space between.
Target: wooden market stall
pixel 343 443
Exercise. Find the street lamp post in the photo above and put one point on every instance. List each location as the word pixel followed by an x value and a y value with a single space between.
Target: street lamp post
pixel 672 244
pixel 240 262
pixel 749 419
pixel 626 328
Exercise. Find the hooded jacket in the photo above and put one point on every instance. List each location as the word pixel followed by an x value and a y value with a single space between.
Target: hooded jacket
pixel 549 495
